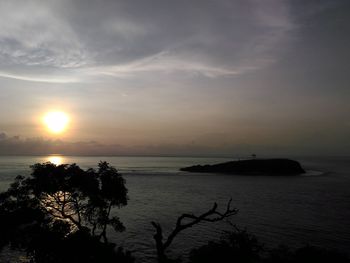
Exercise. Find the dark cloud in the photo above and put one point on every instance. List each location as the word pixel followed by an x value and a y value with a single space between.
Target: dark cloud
pixel 40 146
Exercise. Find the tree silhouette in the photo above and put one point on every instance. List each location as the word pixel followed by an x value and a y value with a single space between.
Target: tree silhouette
pixel 241 246
pixel 186 221
pixel 235 246
pixel 63 204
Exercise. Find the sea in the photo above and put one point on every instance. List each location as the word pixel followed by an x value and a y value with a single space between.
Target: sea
pixel 313 208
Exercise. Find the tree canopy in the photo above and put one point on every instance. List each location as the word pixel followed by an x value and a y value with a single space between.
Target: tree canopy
pixel 63 206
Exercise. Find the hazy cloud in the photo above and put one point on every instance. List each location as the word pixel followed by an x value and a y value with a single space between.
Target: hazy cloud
pixel 16 145
pixel 67 42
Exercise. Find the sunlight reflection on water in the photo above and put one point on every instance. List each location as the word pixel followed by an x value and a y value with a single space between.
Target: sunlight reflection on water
pixel 55 159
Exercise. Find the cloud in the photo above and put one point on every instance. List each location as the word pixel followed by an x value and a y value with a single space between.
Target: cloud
pixel 33 35
pixel 41 78
pixel 69 41
pixel 39 146
pixel 15 145
pixel 164 62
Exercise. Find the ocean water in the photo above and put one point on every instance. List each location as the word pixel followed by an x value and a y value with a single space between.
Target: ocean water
pixel 294 210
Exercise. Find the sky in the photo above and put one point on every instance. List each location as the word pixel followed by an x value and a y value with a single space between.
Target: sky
pixel 185 77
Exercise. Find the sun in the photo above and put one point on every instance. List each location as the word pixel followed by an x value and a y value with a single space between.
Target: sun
pixel 56 121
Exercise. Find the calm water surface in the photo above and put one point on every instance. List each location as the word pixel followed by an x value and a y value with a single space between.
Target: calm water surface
pixel 295 210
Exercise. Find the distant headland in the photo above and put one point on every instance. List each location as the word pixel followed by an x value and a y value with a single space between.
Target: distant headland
pixel 251 167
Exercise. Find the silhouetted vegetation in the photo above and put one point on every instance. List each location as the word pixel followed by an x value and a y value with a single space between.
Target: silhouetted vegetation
pixel 186 221
pixel 243 247
pixel 61 213
pixel 236 246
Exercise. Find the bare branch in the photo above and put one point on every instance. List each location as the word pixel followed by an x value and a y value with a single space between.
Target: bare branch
pixel 186 221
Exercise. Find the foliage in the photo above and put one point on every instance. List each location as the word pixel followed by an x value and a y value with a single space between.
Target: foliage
pixel 236 246
pixel 305 254
pixel 241 246
pixel 59 212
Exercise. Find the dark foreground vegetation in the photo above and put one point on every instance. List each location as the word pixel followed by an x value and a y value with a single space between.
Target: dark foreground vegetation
pixel 251 167
pixel 62 213
pixel 241 246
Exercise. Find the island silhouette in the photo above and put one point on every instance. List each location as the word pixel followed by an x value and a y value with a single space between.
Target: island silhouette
pixel 251 167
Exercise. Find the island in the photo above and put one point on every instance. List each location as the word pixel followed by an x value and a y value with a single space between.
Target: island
pixel 251 167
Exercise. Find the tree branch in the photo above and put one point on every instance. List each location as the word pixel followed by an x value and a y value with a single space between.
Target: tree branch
pixel 211 215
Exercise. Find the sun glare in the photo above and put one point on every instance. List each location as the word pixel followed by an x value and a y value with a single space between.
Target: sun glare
pixel 56 121
pixel 55 160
